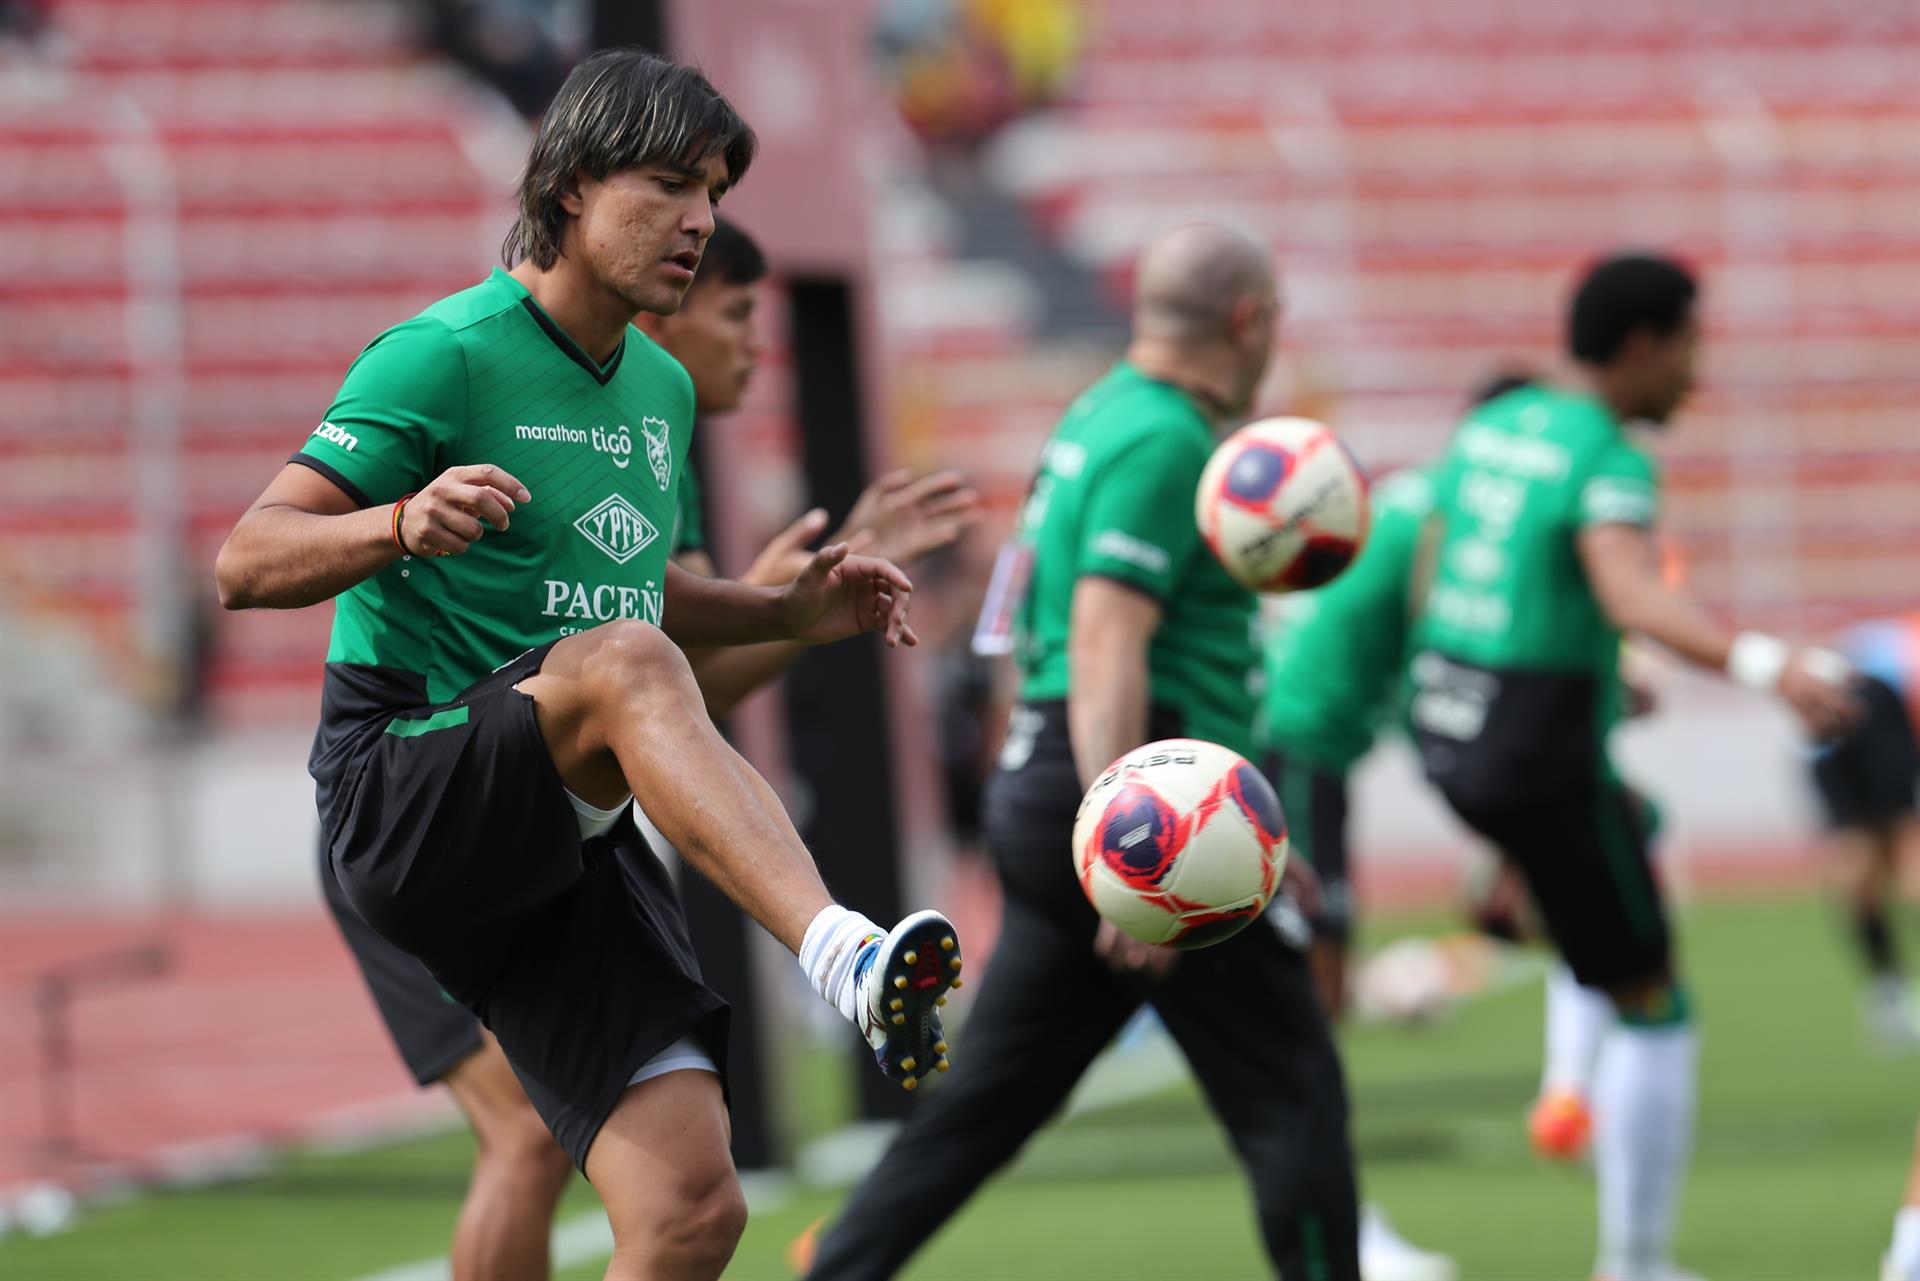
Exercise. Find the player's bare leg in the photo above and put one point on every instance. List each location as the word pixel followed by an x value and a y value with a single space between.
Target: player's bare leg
pixel 621 715
pixel 519 1174
pixel 1866 862
pixel 663 1168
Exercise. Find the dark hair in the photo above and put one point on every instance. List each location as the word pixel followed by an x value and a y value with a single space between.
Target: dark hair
pixel 1622 295
pixel 730 258
pixel 620 108
pixel 1511 379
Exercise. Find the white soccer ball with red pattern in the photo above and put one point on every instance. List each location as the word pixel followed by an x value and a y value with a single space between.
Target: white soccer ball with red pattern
pixel 1283 505
pixel 1180 842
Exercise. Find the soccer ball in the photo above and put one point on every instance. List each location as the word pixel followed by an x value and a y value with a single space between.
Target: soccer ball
pixel 1180 842
pixel 1283 505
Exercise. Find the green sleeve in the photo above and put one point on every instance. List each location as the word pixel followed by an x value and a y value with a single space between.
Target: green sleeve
pixel 689 532
pixel 1137 526
pixel 401 408
pixel 1621 487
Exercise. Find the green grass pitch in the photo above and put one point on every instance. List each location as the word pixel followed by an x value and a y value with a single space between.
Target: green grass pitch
pixel 1803 1143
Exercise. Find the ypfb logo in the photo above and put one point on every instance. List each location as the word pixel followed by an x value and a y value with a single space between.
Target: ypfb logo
pixel 659 452
pixel 617 528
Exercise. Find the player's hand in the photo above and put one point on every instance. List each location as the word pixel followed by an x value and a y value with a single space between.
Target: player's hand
pixel 901 519
pixel 785 557
pixel 1828 707
pixel 1299 882
pixel 840 595
pixel 449 515
pixel 1125 954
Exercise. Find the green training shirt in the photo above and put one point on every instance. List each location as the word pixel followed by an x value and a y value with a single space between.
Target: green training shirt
pixel 689 531
pixel 486 376
pixel 1524 475
pixel 1114 499
pixel 1334 656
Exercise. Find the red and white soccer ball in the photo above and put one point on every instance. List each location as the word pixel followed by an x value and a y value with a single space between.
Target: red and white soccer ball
pixel 1283 505
pixel 1180 842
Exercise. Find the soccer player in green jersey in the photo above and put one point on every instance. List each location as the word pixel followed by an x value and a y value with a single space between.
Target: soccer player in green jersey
pixel 1546 555
pixel 1129 630
pixel 519 1171
pixel 486 504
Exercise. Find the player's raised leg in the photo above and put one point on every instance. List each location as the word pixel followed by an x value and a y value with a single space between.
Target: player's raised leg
pixel 622 715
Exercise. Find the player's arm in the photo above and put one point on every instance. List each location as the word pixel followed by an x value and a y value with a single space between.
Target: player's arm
pixel 1108 695
pixel 340 511
pixel 1622 564
pixel 305 539
pixel 896 518
pixel 837 595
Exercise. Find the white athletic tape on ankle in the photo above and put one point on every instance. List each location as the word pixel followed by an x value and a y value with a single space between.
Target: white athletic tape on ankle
pixel 828 952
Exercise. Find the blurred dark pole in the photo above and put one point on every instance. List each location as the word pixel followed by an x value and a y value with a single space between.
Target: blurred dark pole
pixel 642 23
pixel 837 727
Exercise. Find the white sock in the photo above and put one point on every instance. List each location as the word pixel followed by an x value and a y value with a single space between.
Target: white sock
pixel 1643 1101
pixel 1903 1257
pixel 827 954
pixel 1577 1021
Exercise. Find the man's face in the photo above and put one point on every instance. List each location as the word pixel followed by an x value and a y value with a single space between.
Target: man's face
pixel 713 335
pixel 1667 371
pixel 640 231
pixel 1257 333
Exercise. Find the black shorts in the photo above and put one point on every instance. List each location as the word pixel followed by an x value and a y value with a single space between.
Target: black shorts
pixel 1868 779
pixel 1314 799
pixel 1519 756
pixel 453 838
pixel 432 1031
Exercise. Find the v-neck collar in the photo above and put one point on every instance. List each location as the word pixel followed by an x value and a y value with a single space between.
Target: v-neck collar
pixel 602 374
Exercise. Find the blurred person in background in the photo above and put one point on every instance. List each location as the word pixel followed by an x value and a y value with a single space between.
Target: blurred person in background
pixel 520 1171
pixel 1866 783
pixel 476 804
pixel 1128 630
pixel 1546 556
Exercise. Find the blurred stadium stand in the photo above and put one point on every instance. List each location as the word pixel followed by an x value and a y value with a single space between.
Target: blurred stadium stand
pixel 1433 172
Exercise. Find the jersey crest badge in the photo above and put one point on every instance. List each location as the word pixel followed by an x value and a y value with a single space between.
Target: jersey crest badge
pixel 659 456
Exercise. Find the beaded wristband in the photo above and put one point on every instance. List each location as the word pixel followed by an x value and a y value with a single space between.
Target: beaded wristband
pixel 399 513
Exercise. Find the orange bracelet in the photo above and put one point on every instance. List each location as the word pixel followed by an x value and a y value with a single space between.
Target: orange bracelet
pixel 399 512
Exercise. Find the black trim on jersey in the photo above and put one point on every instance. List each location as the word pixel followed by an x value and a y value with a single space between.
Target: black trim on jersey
pixel 347 487
pixel 572 349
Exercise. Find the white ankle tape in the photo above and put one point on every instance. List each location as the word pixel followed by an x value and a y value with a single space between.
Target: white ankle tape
pixel 828 952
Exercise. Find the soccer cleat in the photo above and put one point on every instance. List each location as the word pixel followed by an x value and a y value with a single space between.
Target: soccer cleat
pixel 803 1249
pixel 1560 1125
pixel 901 982
pixel 1385 1255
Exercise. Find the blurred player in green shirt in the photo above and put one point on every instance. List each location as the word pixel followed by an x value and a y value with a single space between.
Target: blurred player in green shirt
pixel 1547 508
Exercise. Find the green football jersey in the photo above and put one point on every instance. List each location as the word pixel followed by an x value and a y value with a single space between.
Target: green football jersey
pixel 689 529
pixel 486 376
pixel 1334 657
pixel 1114 499
pixel 1523 476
